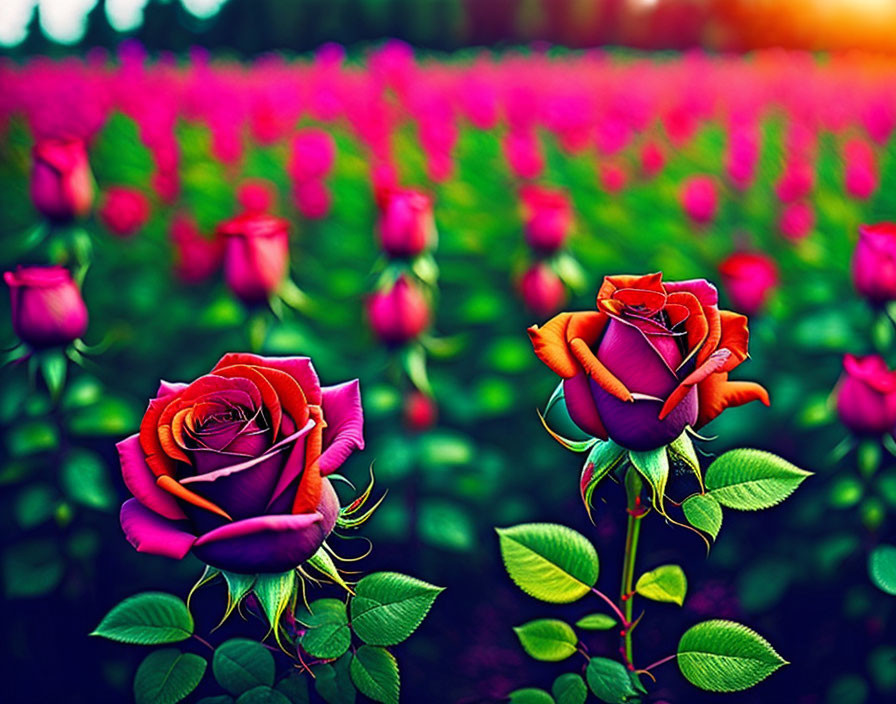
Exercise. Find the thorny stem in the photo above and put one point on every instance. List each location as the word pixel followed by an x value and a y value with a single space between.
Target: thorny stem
pixel 204 642
pixel 613 606
pixel 659 662
pixel 633 531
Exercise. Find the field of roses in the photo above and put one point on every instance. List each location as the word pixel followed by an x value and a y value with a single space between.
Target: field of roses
pixel 181 232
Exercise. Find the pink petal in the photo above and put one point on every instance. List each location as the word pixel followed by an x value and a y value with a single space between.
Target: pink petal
pixel 300 368
pixel 345 424
pixel 141 482
pixel 149 532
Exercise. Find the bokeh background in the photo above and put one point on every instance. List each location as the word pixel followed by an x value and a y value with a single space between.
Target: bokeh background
pixel 682 131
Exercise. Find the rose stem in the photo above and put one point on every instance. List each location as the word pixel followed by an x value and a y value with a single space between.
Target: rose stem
pixel 660 662
pixel 613 606
pixel 632 533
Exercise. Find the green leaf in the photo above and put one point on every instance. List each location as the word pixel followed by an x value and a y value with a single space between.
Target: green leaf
pixel 262 695
pixel 149 618
pixel 388 607
pixel 167 676
pixel 334 683
pixel 85 479
pixel 665 583
pixel 868 455
pixel 704 513
pixel 109 416
pixel 295 688
pixel 569 689
pixel 375 673
pixel 653 465
pixel 723 656
pixel 530 695
pixel 240 664
pixel 414 362
pixel 31 568
pixel 549 561
pixel 609 681
pixel 220 699
pixel 846 492
pixel 328 635
pixel 547 639
pixel 882 568
pixel 53 366
pixel 596 622
pixel 750 480
pixel 35 504
pixel 274 592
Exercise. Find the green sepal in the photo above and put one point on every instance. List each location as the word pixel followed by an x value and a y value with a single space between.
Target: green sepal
pixel 413 361
pixel 274 593
pixel 604 457
pixel 53 367
pixel 207 576
pixel 653 465
pixel 683 448
pixel 323 563
pixel 574 445
pixel 238 586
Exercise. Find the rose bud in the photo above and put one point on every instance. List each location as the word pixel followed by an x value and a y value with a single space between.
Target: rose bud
pixel 651 360
pixel 874 262
pixel 313 154
pixel 232 467
pixel 796 221
pixel 196 257
pixel 420 411
pixel 47 308
pixel 406 225
pixel 124 210
pixel 61 182
pixel 748 279
pixel 652 160
pixel 256 195
pixel 256 255
pixel 542 290
pixel 398 314
pixel 312 199
pixel 866 395
pixel 548 216
pixel 613 177
pixel 700 199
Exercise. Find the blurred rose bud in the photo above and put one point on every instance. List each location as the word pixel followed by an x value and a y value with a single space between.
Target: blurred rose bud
pixel 613 178
pixel 124 210
pixel 406 224
pixel 652 159
pixel 398 314
pixel 548 215
pixel 61 182
pixel 420 411
pixel 384 179
pixel 866 395
pixel 256 195
pixel 542 290
pixel 196 257
pixel 742 157
pixel 313 153
pixel 47 308
pixel 700 199
pixel 748 278
pixel 796 221
pixel 312 199
pixel 256 255
pixel 796 182
pixel 523 154
pixel 874 262
pixel 860 171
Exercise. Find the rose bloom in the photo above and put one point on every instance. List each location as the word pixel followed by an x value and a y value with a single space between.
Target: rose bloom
pixel 313 154
pixel 196 257
pixel 406 224
pixel 256 195
pixel 312 199
pixel 542 290
pixel 420 411
pixel 47 308
pixel 874 262
pixel 652 160
pixel 651 360
pixel 796 221
pixel 61 182
pixel 866 395
pixel 700 199
pixel 748 279
pixel 256 255
pixel 399 313
pixel 233 466
pixel 124 210
pixel 548 217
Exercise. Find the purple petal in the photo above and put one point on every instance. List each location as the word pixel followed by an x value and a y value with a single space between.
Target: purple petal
pixel 169 388
pixel 636 425
pixel 628 354
pixel 706 293
pixel 141 482
pixel 345 424
pixel 580 405
pixel 149 532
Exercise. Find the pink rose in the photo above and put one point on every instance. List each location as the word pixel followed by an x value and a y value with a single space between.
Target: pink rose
pixel 256 255
pixel 124 210
pixel 406 224
pixel 748 278
pixel 399 313
pixel 542 290
pixel 874 262
pixel 866 395
pixel 61 182
pixel 47 308
pixel 700 199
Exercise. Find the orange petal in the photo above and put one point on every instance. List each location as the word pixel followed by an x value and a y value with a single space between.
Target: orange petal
pixel 311 484
pixel 551 341
pixel 268 394
pixel 735 337
pixel 713 365
pixel 597 371
pixel 716 394
pixel 696 324
pixel 172 486
pixel 291 396
pixel 156 459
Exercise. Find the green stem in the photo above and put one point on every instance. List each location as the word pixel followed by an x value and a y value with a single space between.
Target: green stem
pixel 632 533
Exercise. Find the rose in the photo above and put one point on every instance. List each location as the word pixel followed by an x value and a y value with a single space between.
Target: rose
pixel 700 199
pixel 866 395
pixel 256 195
pixel 312 198
pixel 232 466
pixel 124 210
pixel 874 262
pixel 796 220
pixel 399 313
pixel 256 255
pixel 196 257
pixel 406 225
pixel 748 279
pixel 652 159
pixel 542 290
pixel 548 218
pixel 61 182
pixel 420 411
pixel 313 154
pixel 651 360
pixel 47 308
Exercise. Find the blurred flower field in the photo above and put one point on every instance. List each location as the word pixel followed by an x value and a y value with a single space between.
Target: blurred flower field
pixel 420 212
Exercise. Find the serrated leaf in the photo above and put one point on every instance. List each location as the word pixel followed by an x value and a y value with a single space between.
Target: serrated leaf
pixel 751 480
pixel 328 635
pixel 547 639
pixel 150 618
pixel 240 664
pixel 388 607
pixel 549 561
pixel 167 676
pixel 665 583
pixel 569 689
pixel 334 683
pixel 375 673
pixel 653 465
pixel 530 695
pixel 704 513
pixel 882 568
pixel 596 622
pixel 609 681
pixel 723 656
pixel 262 695
pixel 274 592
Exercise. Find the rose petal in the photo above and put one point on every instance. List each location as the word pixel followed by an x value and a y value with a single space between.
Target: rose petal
pixel 552 340
pixel 344 432
pixel 141 482
pixel 717 394
pixel 636 426
pixel 149 532
pixel 300 368
pixel 628 355
pixel 580 405
pixel 169 388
